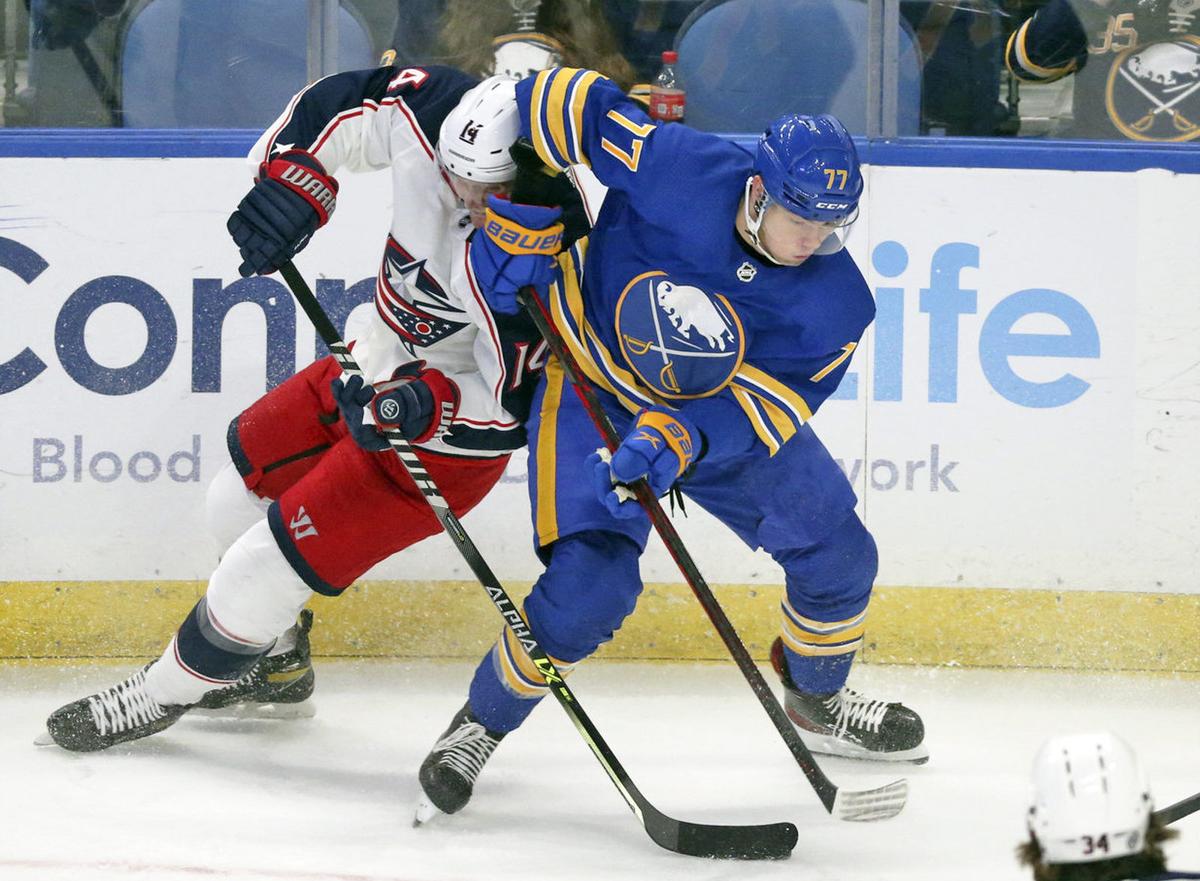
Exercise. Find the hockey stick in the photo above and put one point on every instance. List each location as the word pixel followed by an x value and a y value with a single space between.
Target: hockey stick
pixel 102 85
pixel 1179 810
pixel 767 841
pixel 864 805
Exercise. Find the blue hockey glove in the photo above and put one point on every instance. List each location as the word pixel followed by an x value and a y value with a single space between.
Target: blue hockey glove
pixel 516 248
pixel 292 198
pixel 661 446
pixel 418 401
pixel 352 396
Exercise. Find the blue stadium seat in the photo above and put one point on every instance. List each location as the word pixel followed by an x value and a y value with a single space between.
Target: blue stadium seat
pixel 745 62
pixel 208 64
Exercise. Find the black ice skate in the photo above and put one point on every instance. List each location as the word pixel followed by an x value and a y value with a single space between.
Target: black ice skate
pixel 115 715
pixel 277 686
pixel 846 723
pixel 449 772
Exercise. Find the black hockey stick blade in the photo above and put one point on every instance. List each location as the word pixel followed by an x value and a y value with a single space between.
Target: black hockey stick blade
pixel 770 841
pixel 1179 810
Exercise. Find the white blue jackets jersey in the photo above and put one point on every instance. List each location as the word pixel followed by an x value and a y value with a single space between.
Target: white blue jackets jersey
pixel 428 305
pixel 679 311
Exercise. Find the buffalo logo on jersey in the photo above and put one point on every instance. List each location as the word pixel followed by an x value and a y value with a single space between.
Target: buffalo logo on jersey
pixel 680 340
pixel 1153 91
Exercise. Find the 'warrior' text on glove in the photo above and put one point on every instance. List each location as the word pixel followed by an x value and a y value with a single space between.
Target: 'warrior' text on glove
pixel 292 198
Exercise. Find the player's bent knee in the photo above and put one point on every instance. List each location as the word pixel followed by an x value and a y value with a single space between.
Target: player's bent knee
pixel 230 509
pixel 254 594
pixel 590 587
pixel 838 570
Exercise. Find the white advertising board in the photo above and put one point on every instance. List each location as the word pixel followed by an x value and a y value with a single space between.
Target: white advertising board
pixel 1022 414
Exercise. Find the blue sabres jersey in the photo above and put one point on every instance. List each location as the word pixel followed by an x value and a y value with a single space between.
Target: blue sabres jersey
pixel 662 303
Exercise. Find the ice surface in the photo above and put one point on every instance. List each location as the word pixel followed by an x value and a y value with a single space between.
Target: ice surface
pixel 332 797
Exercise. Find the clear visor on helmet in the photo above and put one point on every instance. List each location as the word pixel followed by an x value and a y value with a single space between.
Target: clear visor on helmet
pixel 787 238
pixel 834 233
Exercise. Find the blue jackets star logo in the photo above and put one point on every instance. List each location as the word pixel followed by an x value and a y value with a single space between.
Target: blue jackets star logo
pixel 414 303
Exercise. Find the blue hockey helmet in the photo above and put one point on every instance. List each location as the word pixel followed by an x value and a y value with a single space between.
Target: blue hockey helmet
pixel 809 166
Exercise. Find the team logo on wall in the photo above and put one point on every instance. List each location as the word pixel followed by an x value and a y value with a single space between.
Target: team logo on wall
pixel 680 340
pixel 1153 91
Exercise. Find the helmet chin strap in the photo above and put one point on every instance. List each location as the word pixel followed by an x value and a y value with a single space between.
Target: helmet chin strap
pixel 754 224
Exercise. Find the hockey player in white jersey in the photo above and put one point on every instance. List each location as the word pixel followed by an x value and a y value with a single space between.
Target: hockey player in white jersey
pixel 1092 816
pixel 314 497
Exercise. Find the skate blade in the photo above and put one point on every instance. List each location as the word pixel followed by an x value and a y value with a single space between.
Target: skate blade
pixel 832 746
pixel 303 710
pixel 869 805
pixel 426 811
pixel 44 739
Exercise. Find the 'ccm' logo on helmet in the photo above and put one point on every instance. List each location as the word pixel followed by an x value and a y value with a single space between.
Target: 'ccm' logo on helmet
pixel 832 205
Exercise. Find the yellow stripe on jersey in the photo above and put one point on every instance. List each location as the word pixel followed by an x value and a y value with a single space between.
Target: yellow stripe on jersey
pixel 812 651
pixel 1016 45
pixel 578 98
pixel 771 389
pixel 812 638
pixel 759 421
pixel 814 626
pixel 774 410
pixel 847 351
pixel 553 112
pixel 547 459
pixel 590 353
pixel 806 636
pixel 537 124
pixel 556 115
pixel 782 426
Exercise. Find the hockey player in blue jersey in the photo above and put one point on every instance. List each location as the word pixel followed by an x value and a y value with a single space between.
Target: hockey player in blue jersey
pixel 714 309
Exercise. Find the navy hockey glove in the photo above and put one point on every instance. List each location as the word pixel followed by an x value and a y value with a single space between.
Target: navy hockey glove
pixel 660 447
pixel 292 198
pixel 516 249
pixel 418 401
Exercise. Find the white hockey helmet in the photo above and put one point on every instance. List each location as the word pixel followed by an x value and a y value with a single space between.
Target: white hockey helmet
pixel 475 136
pixel 1091 800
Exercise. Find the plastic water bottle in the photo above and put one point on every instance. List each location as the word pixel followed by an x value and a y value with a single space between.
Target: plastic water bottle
pixel 667 97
